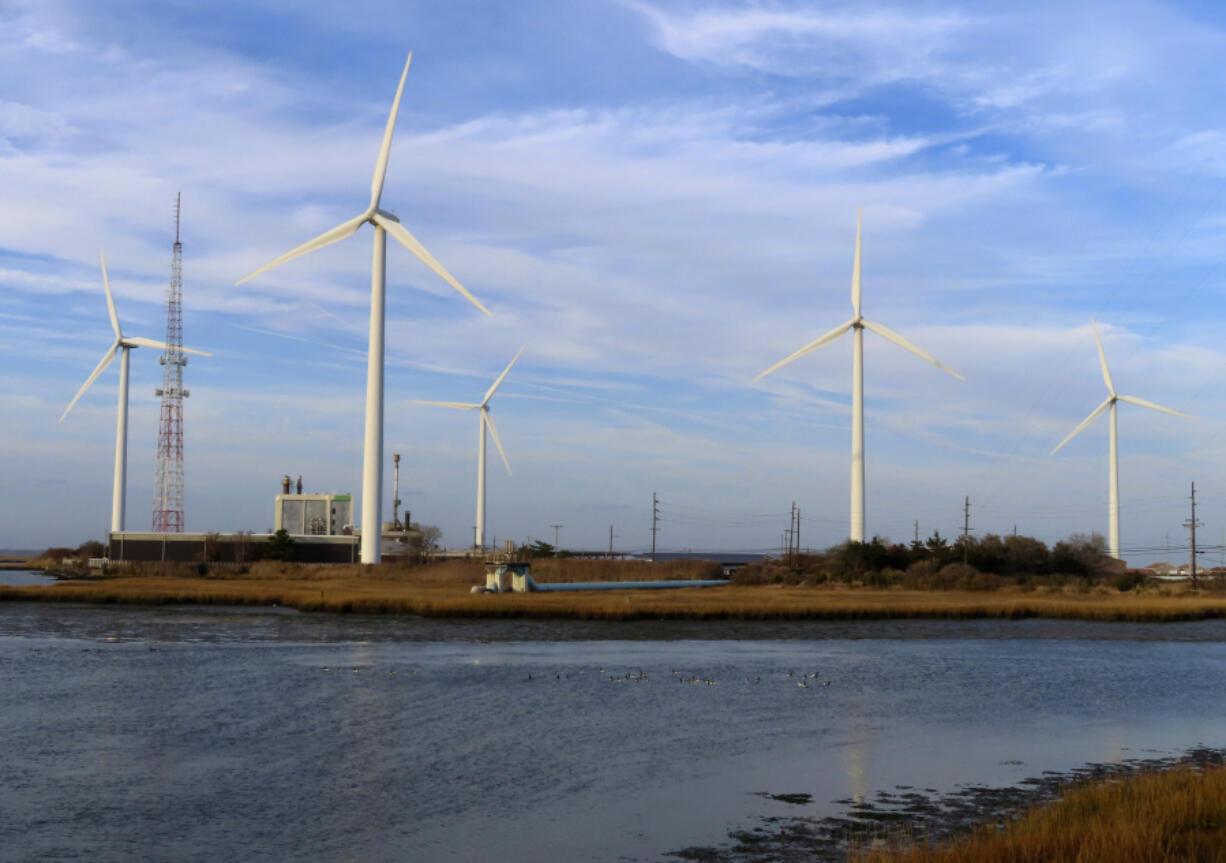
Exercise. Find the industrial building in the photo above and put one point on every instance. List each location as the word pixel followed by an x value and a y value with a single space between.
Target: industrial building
pixel 320 526
pixel 312 514
pixel 228 548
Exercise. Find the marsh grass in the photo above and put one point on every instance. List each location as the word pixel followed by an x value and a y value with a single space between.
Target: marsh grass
pixel 1176 815
pixel 441 590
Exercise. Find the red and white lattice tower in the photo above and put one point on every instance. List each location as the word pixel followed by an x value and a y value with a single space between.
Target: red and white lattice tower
pixel 168 488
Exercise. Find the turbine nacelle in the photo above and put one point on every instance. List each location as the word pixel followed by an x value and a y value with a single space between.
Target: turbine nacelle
pixel 1113 398
pixel 859 322
pixel 121 342
pixel 487 420
pixel 375 215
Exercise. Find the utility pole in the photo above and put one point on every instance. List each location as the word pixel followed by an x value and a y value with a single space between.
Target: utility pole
pixel 396 491
pixel 917 531
pixel 655 519
pixel 966 530
pixel 556 528
pixel 610 540
pixel 1191 525
pixel 792 533
pixel 797 531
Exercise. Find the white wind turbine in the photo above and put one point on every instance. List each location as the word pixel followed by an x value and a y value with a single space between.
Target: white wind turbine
pixel 1113 504
pixel 485 421
pixel 125 344
pixel 384 223
pixel 858 324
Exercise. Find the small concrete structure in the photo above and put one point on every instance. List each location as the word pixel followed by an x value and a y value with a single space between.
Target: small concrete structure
pixel 521 581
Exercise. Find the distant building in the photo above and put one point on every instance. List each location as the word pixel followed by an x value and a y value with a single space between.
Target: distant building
pixel 225 548
pixel 313 514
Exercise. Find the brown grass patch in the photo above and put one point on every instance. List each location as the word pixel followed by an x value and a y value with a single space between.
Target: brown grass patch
pixel 441 590
pixel 1178 815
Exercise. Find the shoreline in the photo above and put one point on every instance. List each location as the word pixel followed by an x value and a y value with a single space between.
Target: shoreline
pixel 398 593
pixel 908 823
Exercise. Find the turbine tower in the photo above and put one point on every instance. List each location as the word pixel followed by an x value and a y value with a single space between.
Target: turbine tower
pixel 484 421
pixel 122 343
pixel 168 486
pixel 384 223
pixel 1113 462
pixel 858 324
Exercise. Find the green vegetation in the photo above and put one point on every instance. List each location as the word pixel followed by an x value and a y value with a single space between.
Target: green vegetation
pixel 1178 815
pixel 987 563
pixel 53 558
pixel 280 546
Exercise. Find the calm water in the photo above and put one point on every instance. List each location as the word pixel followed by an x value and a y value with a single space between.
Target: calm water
pixel 158 734
pixel 24 577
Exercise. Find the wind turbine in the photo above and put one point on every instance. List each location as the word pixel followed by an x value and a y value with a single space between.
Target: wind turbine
pixel 485 421
pixel 858 324
pixel 384 223
pixel 125 344
pixel 1113 505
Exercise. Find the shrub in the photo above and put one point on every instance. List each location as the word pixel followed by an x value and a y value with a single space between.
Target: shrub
pixel 1128 580
pixel 280 546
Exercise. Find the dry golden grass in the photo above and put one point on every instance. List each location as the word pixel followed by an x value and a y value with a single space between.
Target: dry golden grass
pixel 1179 815
pixel 442 590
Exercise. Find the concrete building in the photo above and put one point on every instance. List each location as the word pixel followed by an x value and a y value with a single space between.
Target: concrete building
pixel 314 514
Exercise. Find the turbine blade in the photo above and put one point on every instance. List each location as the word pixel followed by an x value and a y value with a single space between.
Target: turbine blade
pixel 809 348
pixel 327 238
pixel 1085 422
pixel 464 406
pixel 402 235
pixel 855 267
pixel 890 335
pixel 1146 404
pixel 1102 357
pixel 385 149
pixel 110 301
pixel 489 421
pixel 491 390
pixel 139 342
pixel 98 369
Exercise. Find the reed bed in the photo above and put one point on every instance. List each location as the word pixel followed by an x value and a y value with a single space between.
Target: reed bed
pixel 442 591
pixel 1177 815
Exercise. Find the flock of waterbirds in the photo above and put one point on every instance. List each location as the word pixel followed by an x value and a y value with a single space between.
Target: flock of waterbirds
pixel 385 223
pixel 804 680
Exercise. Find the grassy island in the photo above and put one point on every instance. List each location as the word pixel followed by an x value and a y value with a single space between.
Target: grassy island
pixel 441 590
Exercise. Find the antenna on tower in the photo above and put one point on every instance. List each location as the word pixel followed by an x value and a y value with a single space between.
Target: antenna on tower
pixel 168 487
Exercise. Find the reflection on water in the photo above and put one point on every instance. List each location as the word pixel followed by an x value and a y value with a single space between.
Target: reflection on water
pixel 201 735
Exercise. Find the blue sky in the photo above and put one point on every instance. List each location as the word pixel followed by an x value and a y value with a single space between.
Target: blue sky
pixel 659 200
